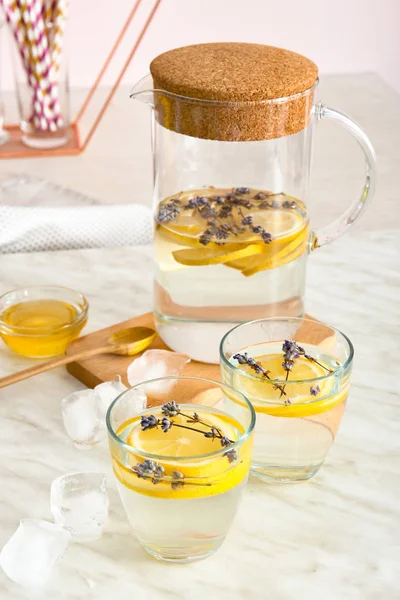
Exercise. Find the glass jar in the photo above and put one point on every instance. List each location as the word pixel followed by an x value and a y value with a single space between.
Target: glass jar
pixel 231 184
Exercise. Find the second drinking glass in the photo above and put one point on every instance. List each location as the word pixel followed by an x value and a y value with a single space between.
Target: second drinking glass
pixel 296 373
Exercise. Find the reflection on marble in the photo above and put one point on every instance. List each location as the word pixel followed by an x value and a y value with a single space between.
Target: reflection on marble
pixel 336 537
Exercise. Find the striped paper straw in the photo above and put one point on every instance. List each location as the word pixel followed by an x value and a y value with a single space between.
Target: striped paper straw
pixel 56 12
pixel 49 8
pixel 14 19
pixel 47 114
pixel 27 21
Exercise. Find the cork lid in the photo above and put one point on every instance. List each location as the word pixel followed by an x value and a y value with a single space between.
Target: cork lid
pixel 233 91
pixel 233 72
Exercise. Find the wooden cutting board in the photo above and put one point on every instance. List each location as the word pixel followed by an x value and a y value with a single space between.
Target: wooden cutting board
pixel 106 367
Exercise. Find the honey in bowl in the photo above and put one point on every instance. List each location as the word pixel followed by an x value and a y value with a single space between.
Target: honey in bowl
pixel 41 322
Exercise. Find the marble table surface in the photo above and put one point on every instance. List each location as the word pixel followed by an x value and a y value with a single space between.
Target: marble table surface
pixel 335 537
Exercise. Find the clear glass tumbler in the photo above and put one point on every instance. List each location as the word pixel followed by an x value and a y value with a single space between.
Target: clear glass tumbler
pixel 296 373
pixel 181 468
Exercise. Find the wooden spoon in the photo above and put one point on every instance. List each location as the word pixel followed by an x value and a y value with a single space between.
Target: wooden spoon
pixel 125 342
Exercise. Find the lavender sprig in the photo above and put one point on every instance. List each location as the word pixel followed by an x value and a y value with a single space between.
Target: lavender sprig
pixel 291 351
pixel 223 215
pixel 171 409
pixel 168 211
pixel 154 472
pixel 231 455
pixel 245 359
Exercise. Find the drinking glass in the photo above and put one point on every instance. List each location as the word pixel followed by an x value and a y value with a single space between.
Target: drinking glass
pixel 181 503
pixel 297 420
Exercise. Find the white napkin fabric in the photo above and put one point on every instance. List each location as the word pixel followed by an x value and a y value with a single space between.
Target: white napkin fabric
pixel 38 228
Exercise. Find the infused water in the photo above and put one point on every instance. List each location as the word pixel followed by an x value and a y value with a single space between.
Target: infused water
pixel 225 256
pixel 297 420
pixel 182 517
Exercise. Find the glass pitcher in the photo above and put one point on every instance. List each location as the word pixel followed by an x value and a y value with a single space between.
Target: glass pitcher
pixel 231 183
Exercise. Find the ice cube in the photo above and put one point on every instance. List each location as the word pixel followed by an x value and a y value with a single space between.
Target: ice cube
pixel 82 418
pixel 107 392
pixel 32 551
pixel 79 502
pixel 132 403
pixel 154 364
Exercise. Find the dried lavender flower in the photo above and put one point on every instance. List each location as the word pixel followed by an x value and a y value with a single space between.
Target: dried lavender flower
pixel 166 424
pixel 213 433
pixel 177 480
pixel 204 239
pixel 168 212
pixel 148 422
pixel 247 220
pixel 194 418
pixel 242 190
pixel 170 409
pixel 196 202
pixel 225 211
pixel 225 441
pixel 259 369
pixel 260 196
pixel 288 204
pixel 288 364
pixel 241 358
pixel 230 196
pixel 221 233
pixel 315 390
pixel 231 455
pixel 267 237
pixel 158 474
pixel 291 350
pixel 145 469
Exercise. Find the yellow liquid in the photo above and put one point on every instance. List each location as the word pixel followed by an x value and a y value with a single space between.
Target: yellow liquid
pixel 40 328
pixel 179 240
pixel 268 400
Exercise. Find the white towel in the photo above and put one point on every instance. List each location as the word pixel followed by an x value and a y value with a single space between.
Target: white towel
pixel 39 228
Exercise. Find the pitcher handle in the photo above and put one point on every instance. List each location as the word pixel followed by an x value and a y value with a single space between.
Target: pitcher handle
pixel 330 232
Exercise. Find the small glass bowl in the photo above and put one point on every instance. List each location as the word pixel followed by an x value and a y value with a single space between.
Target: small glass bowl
pixel 40 321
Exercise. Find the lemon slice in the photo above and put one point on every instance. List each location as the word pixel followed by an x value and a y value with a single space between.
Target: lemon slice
pixel 183 236
pixel 278 222
pixel 288 254
pixel 210 256
pixel 275 255
pixel 179 441
pixel 270 401
pixel 203 476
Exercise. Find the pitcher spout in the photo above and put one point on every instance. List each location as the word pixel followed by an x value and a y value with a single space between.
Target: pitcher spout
pixel 143 91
